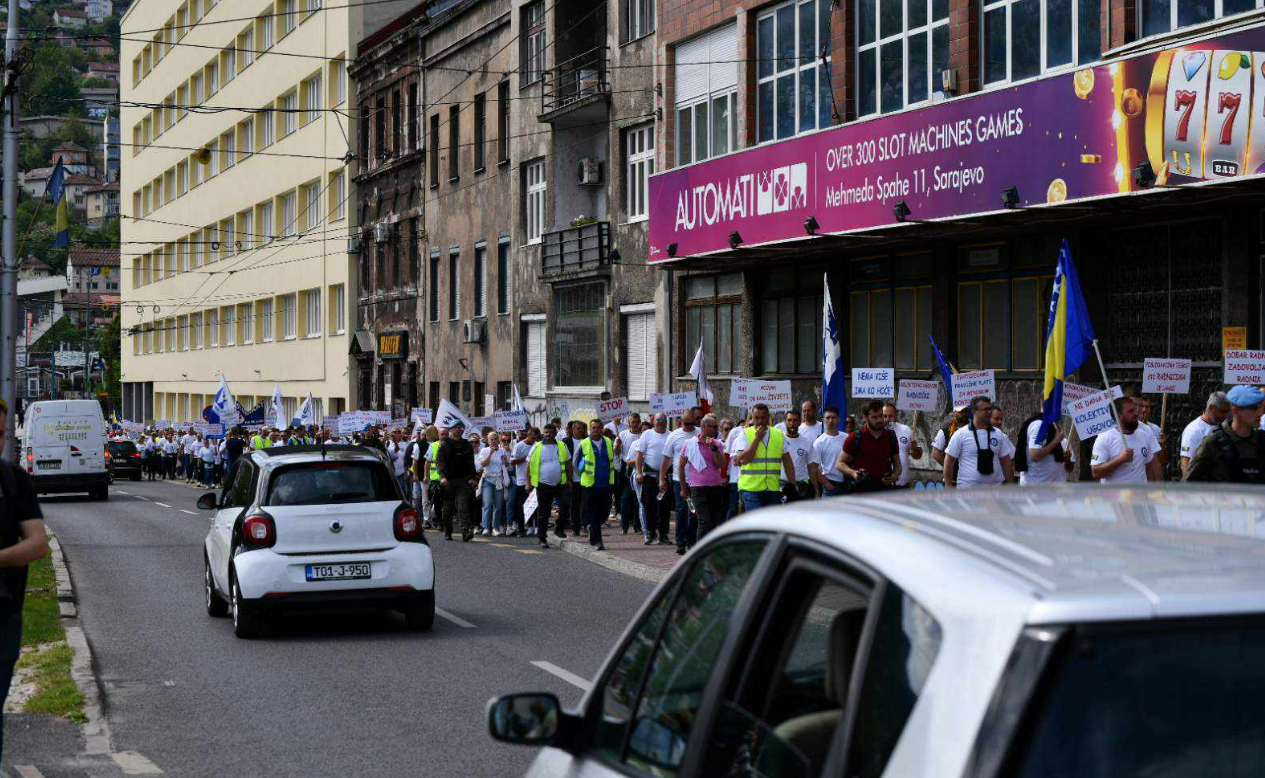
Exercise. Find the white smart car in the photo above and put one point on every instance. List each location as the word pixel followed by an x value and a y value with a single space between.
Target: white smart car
pixel 315 527
pixel 1064 632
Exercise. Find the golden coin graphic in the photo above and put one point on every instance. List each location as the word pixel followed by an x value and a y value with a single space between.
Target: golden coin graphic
pixel 1083 82
pixel 1057 192
pixel 1131 102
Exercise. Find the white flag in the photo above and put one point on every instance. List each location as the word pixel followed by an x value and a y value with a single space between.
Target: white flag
pixel 224 405
pixel 449 415
pixel 518 400
pixel 699 371
pixel 278 409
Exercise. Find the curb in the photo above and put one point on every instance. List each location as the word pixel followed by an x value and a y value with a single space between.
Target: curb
pixel 96 731
pixel 608 560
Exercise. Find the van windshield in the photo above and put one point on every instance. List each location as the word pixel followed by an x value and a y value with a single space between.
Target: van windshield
pixel 323 483
pixel 1167 700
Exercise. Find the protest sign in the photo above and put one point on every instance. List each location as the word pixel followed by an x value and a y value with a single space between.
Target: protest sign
pixel 510 421
pixel 529 506
pixel 873 382
pixel 612 409
pixel 1092 414
pixel 421 415
pixel 975 383
pixel 1073 392
pixel 918 395
pixel 480 423
pixel 1165 376
pixel 746 392
pixel 673 403
pixel 1244 367
pixel 162 424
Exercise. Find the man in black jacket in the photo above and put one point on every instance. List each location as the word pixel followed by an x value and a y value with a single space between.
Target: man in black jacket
pixel 22 541
pixel 455 464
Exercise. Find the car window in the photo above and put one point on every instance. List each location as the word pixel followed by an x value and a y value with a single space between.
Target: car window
pixel 122 449
pixel 1174 699
pixel 906 641
pixel 782 710
pixel 321 483
pixel 651 698
pixel 243 490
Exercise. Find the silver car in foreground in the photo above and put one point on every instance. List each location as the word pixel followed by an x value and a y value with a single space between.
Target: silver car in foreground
pixel 1061 632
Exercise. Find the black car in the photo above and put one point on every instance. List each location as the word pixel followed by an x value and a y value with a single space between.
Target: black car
pixel 125 459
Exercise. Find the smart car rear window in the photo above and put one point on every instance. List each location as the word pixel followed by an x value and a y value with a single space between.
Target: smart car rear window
pixel 326 483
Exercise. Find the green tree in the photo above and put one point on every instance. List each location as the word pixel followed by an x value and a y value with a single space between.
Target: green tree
pixel 49 87
pixel 110 344
pixel 37 152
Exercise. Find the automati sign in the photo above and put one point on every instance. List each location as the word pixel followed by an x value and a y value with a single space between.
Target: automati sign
pixel 1078 135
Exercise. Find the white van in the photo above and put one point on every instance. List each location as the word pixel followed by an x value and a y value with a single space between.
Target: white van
pixel 63 447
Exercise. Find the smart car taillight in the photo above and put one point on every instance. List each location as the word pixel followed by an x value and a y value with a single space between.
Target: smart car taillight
pixel 408 525
pixel 259 531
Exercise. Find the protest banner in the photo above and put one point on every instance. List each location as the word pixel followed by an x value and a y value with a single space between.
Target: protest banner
pixel 915 395
pixel 746 392
pixel 673 403
pixel 612 409
pixel 481 423
pixel 1165 376
pixel 421 415
pixel 1244 367
pixel 162 424
pixel 1092 414
pixel 975 383
pixel 510 421
pixel 873 382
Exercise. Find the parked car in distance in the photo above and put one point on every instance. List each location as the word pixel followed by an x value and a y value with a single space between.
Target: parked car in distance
pixel 318 528
pixel 1028 633
pixel 63 447
pixel 125 459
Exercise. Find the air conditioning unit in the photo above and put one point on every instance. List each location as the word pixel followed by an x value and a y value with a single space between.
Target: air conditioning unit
pixel 473 331
pixel 590 172
pixel 381 232
pixel 353 244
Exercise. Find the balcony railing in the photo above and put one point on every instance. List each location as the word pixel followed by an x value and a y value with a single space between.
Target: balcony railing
pixel 571 81
pixel 576 248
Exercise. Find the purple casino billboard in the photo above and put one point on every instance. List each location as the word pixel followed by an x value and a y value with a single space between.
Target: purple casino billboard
pixel 1195 113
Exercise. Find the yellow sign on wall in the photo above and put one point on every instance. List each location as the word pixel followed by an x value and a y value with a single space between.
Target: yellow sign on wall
pixel 1233 338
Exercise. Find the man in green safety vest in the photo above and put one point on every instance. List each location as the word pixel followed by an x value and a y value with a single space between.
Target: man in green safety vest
pixel 259 441
pixel 762 461
pixel 548 470
pixel 597 480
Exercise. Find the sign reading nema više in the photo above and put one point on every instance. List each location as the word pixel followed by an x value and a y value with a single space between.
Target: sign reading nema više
pixel 1193 112
pixel 393 345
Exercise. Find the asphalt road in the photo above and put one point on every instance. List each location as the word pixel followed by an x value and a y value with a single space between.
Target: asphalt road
pixel 322 695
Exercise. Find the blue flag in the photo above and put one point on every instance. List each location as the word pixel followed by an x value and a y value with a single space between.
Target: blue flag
pixel 946 369
pixel 1069 338
pixel 832 392
pixel 61 216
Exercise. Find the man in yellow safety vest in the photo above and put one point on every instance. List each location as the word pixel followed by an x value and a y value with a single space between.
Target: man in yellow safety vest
pixel 762 462
pixel 597 480
pixel 548 470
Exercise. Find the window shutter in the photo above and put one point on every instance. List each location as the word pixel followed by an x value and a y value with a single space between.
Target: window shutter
pixel 640 356
pixel 691 69
pixel 705 65
pixel 536 385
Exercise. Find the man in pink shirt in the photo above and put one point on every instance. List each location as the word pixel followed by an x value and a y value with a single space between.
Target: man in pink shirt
pixel 704 463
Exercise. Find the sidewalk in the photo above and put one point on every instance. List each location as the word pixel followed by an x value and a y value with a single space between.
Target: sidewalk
pixel 626 554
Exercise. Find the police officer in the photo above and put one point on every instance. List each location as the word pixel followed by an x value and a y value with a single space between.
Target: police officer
pixel 455 463
pixel 1235 451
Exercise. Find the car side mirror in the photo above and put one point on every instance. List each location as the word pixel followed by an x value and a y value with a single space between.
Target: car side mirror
pixel 526 719
pixel 208 501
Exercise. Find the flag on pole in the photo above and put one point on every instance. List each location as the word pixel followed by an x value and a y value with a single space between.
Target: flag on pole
pixel 61 216
pixel 307 413
pixel 518 400
pixel 1069 338
pixel 448 415
pixel 224 405
pixel 947 370
pixel 278 409
pixel 699 371
pixel 832 389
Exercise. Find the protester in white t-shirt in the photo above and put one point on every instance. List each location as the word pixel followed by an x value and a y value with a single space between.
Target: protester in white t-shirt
pixel 824 464
pixel 962 417
pixel 801 451
pixel 1043 466
pixel 1126 455
pixel 905 439
pixel 1216 410
pixel 628 505
pixel 967 445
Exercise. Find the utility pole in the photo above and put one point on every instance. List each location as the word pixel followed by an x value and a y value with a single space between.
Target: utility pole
pixel 8 235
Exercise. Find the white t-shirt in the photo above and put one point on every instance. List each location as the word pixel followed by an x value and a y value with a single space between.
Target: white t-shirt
pixel 1111 444
pixel 1045 471
pixel 965 451
pixel 651 445
pixel 522 450
pixel 801 451
pixel 1194 434
pixel 811 431
pixel 550 469
pixel 736 444
pixel 673 446
pixel 939 443
pixel 396 452
pixel 492 462
pixel 904 437
pixel 826 450
pixel 627 442
pixel 208 454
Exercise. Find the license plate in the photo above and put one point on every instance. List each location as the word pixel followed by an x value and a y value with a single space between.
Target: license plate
pixel 49 464
pixel 343 572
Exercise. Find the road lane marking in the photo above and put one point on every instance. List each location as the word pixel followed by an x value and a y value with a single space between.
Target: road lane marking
pixel 137 496
pixel 162 504
pixel 460 622
pixel 133 763
pixel 528 551
pixel 191 513
pixel 120 491
pixel 502 545
pixel 29 771
pixel 566 675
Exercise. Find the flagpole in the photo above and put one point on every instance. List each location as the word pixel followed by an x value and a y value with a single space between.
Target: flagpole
pixel 1107 385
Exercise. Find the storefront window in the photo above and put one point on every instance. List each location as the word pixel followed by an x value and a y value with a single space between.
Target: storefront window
pixel 713 315
pixel 790 322
pixel 1161 16
pixel 580 335
pixel 1024 38
pixel 1001 315
pixel 901 50
pixel 793 69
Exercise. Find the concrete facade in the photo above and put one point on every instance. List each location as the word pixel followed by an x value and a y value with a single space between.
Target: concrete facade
pixel 266 197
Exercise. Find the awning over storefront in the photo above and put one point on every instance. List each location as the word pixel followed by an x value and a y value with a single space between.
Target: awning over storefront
pixel 1165 118
pixel 362 345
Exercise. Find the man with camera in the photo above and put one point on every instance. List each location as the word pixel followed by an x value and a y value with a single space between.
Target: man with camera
pixel 871 455
pixel 982 453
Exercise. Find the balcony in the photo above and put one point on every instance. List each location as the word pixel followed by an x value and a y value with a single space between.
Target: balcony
pixel 576 91
pixel 575 249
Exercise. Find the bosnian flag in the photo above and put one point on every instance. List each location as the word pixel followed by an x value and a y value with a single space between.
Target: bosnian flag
pixel 1069 339
pixel 699 371
pixel 832 390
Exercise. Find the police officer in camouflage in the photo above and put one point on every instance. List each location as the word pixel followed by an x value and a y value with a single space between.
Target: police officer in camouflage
pixel 1235 451
pixel 455 464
